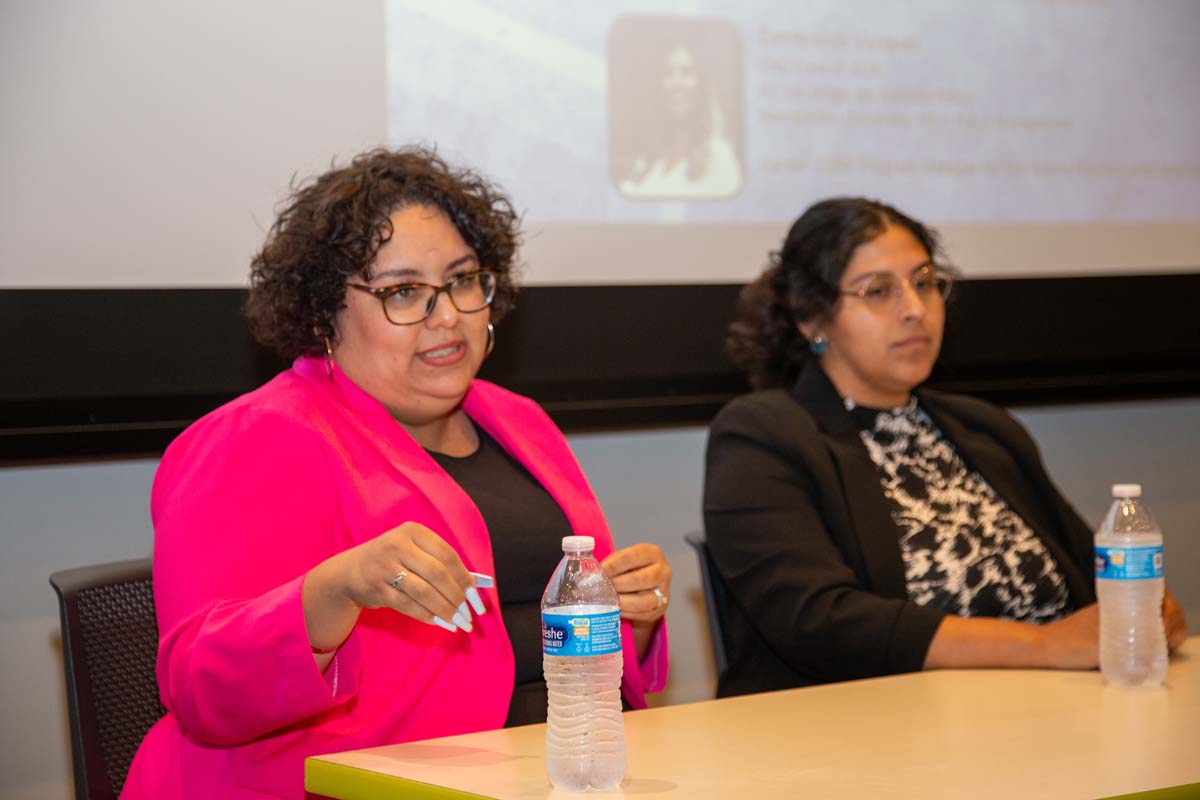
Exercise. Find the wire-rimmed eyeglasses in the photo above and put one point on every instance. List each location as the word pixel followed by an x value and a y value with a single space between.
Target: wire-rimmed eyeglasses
pixel 410 303
pixel 882 291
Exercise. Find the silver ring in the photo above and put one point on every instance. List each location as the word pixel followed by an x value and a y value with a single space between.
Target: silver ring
pixel 398 581
pixel 662 598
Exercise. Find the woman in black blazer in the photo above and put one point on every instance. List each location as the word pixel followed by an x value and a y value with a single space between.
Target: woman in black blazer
pixel 864 526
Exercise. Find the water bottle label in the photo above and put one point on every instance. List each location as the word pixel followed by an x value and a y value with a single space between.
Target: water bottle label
pixel 581 634
pixel 1129 563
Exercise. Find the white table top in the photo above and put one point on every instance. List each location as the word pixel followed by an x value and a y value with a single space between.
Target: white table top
pixel 948 733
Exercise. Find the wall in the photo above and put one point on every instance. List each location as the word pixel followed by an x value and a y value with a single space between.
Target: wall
pixel 171 130
pixel 649 482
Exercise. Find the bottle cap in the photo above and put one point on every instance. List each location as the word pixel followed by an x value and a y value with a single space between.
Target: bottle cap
pixel 1120 490
pixel 577 544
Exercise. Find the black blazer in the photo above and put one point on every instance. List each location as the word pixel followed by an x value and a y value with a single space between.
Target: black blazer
pixel 802 535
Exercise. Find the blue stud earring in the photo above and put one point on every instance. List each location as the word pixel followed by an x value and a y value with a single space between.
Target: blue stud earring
pixel 818 345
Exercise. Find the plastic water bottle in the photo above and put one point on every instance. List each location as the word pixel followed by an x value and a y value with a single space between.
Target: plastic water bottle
pixel 1129 586
pixel 581 658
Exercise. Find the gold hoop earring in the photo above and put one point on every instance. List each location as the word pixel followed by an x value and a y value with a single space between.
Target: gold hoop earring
pixel 491 341
pixel 328 358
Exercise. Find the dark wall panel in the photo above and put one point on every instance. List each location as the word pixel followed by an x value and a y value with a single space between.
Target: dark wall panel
pixel 107 372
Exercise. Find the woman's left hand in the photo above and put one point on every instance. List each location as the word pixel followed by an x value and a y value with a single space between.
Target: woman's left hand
pixel 642 577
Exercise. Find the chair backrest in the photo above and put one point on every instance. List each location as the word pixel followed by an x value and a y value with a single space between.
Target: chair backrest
pixel 716 599
pixel 109 642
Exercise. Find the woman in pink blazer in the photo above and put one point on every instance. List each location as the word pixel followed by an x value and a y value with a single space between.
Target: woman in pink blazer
pixel 315 538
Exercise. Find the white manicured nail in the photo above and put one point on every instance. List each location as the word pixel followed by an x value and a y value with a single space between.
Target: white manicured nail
pixel 465 610
pixel 476 601
pixel 441 623
pixel 462 622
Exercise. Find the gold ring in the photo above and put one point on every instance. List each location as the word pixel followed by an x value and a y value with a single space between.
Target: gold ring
pixel 398 581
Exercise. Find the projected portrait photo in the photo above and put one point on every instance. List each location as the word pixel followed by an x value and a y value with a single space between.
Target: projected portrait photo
pixel 675 108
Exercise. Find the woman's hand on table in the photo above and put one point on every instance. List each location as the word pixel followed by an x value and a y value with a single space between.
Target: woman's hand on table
pixel 1174 625
pixel 1072 642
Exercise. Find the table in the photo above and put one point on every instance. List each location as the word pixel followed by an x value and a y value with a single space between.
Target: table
pixel 978 734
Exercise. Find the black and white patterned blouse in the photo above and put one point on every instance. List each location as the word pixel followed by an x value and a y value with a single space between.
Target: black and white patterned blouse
pixel 965 550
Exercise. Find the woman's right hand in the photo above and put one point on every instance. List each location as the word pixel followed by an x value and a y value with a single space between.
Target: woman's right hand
pixel 435 583
pixel 435 588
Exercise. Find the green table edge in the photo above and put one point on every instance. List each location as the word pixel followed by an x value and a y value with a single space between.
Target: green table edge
pixel 1187 791
pixel 351 783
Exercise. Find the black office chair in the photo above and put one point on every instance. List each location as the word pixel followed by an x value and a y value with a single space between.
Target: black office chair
pixel 109 642
pixel 716 601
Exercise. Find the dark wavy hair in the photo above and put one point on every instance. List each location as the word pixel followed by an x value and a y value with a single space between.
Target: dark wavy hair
pixel 801 283
pixel 331 228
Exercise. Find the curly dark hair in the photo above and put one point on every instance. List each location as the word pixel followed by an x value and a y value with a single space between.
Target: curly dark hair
pixel 332 226
pixel 801 283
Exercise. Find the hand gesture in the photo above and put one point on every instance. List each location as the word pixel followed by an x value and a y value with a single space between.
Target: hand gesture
pixel 642 578
pixel 412 570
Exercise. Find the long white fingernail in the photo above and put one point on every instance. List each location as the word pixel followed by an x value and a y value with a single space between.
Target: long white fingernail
pixel 464 610
pixel 484 581
pixel 462 622
pixel 476 601
pixel 441 623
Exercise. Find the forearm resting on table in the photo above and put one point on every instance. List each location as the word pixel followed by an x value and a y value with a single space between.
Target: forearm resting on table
pixel 985 642
pixel 1071 642
pixel 1067 643
pixel 329 615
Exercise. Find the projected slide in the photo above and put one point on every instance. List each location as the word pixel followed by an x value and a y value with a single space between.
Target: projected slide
pixel 1026 111
pixel 644 142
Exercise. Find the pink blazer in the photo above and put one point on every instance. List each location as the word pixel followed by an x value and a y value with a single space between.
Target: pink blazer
pixel 251 497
